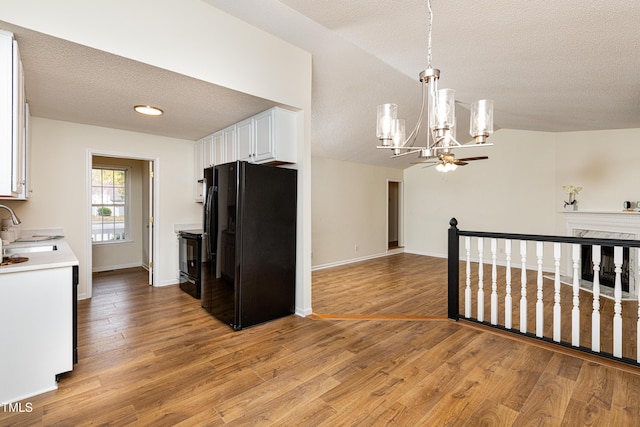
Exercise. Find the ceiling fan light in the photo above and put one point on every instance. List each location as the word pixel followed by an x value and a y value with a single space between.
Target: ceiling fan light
pixel 148 110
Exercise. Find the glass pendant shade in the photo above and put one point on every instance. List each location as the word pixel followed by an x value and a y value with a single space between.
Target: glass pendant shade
pixel 481 118
pixel 397 132
pixel 443 115
pixel 387 113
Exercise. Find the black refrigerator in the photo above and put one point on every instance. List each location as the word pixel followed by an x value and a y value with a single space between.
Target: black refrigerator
pixel 250 211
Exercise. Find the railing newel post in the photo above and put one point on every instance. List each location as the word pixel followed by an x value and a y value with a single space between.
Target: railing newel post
pixel 454 271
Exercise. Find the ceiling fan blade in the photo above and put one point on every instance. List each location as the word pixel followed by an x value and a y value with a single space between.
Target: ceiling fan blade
pixel 469 159
pixel 430 165
pixel 426 162
pixel 459 163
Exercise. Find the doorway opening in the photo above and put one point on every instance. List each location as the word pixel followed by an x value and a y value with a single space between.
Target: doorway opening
pixel 394 215
pixel 121 206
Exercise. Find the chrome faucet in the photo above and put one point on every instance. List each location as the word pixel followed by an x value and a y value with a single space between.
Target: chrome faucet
pixel 14 217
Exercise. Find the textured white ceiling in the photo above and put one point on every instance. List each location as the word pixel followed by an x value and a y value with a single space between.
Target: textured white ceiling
pixel 549 66
pixel 70 82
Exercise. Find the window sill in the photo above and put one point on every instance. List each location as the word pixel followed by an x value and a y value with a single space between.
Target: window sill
pixel 112 242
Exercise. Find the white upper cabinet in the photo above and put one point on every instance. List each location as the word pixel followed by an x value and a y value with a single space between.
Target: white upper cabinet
pixel 218 147
pixel 229 145
pixel 244 140
pixel 199 168
pixel 14 113
pixel 275 133
pixel 269 137
pixel 208 152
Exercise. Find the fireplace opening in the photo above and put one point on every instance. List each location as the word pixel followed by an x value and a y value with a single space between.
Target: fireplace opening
pixel 607 266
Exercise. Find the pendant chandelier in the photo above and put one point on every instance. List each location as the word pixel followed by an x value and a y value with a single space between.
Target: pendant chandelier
pixel 439 106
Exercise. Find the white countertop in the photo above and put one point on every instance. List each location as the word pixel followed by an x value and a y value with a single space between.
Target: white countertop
pixel 62 257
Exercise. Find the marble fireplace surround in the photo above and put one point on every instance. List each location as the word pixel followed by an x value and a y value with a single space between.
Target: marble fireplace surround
pixel 608 225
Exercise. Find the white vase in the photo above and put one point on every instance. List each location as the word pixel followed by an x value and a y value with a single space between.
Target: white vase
pixel 573 207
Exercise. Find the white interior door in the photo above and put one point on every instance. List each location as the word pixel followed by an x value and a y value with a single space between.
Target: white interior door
pixel 151 223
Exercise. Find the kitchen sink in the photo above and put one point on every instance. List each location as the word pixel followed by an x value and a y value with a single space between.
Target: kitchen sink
pixel 30 249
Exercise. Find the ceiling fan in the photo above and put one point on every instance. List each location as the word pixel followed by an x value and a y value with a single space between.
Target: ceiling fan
pixel 447 162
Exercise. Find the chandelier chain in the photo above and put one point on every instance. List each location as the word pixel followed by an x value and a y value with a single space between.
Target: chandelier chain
pixel 429 34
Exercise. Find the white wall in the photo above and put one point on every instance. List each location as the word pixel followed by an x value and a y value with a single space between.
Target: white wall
pixel 512 192
pixel 519 189
pixel 349 209
pixel 604 163
pixel 59 171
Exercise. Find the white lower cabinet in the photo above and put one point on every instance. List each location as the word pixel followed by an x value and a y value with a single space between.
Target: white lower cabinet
pixel 36 311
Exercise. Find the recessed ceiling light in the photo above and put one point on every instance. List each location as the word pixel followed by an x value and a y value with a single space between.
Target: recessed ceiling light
pixel 148 110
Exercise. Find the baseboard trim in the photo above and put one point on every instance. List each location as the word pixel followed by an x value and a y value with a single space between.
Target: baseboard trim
pixel 404 317
pixel 354 260
pixel 115 267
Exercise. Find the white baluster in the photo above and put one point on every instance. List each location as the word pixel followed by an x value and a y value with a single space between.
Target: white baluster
pixel 467 289
pixel 523 288
pixel 595 316
pixel 539 302
pixel 575 312
pixel 494 282
pixel 557 309
pixel 638 292
pixel 617 305
pixel 480 281
pixel 508 303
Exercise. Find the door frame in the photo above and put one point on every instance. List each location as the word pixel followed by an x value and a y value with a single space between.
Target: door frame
pixel 153 248
pixel 400 213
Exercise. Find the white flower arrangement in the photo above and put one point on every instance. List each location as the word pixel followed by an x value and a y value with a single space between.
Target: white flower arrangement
pixel 572 191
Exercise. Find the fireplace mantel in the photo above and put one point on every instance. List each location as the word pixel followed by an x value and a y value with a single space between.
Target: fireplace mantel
pixel 606 221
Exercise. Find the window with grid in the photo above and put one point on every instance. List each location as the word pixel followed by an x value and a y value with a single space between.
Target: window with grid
pixel 109 205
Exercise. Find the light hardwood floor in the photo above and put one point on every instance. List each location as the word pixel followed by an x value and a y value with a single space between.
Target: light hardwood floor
pixel 152 356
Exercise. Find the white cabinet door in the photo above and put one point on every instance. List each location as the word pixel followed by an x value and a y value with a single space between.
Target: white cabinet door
pixel 208 151
pixel 275 136
pixel 199 169
pixel 36 308
pixel 13 121
pixel 218 147
pixel 230 154
pixel 6 114
pixel 244 140
pixel 264 139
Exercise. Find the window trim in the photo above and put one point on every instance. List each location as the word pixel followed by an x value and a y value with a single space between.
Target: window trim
pixel 127 206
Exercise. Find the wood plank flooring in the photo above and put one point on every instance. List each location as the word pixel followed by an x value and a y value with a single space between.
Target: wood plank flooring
pixel 152 356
